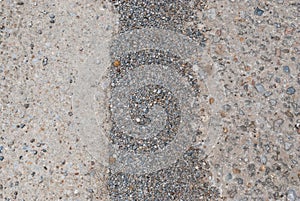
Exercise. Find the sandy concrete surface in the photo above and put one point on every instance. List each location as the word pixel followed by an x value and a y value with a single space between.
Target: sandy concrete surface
pixel 150 100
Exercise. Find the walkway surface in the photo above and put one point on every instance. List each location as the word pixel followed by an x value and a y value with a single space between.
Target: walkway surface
pixel 150 100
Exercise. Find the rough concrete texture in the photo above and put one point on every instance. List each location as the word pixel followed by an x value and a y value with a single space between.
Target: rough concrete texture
pixel 149 100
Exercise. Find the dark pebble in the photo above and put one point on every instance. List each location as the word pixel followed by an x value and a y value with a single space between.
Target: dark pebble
pixel 1 158
pixel 286 69
pixel 45 61
pixel 290 91
pixel 240 180
pixel 258 12
pixel 226 107
pixel 26 105
pixel 1 149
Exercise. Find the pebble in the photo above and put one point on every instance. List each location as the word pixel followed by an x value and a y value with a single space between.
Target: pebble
pixel 291 195
pixel 116 63
pixel 228 177
pixel 1 158
pixel 263 159
pixel 286 69
pixel 290 90
pixel 240 181
pixel 273 102
pixel 268 93
pixel 287 146
pixel 45 61
pixel 52 16
pixel 258 12
pixel 278 123
pixel 1 149
pixel 226 107
pixel 259 88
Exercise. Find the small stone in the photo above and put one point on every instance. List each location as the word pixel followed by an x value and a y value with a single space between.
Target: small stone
pixel 247 68
pixel 112 160
pixel 45 61
pixel 226 107
pixel 259 88
pixel 272 102
pixel 1 149
pixel 228 177
pixel 52 16
pixel 262 168
pixel 90 190
pixel 287 146
pixel 263 159
pixel 291 195
pixel 241 112
pixel 286 69
pixel 1 158
pixel 277 123
pixel 289 114
pixel 117 63
pixel 26 105
pixel 268 93
pixel 290 91
pixel 251 169
pixel 211 100
pixel 240 181
pixel 236 171
pixel 258 12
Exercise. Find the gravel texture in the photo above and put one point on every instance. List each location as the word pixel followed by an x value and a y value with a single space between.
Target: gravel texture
pixel 150 100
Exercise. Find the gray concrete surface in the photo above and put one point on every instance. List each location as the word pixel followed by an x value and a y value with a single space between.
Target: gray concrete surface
pixel 149 100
